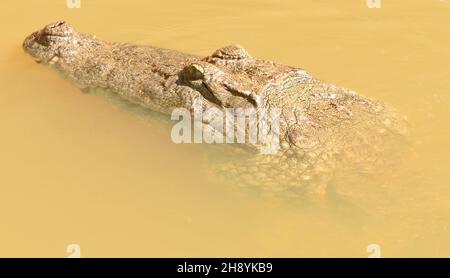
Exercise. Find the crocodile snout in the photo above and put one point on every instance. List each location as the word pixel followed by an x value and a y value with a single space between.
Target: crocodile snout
pixel 43 44
pixel 58 29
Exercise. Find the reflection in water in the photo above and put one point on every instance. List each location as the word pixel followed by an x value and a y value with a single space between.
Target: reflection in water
pixel 78 170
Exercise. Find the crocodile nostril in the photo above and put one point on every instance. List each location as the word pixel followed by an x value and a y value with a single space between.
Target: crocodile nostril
pixel 38 35
pixel 41 37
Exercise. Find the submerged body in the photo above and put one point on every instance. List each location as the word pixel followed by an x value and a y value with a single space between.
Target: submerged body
pixel 321 126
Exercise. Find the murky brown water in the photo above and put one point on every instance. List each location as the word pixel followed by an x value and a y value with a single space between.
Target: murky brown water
pixel 76 168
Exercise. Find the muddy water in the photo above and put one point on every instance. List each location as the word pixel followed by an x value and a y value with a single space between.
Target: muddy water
pixel 79 169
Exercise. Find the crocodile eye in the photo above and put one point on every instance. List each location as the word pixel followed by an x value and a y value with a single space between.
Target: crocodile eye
pixel 195 72
pixel 57 24
pixel 55 27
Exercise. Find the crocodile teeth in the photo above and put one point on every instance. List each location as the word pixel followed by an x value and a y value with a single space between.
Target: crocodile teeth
pixel 53 60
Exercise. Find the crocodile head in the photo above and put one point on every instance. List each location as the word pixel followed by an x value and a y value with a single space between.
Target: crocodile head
pixel 50 43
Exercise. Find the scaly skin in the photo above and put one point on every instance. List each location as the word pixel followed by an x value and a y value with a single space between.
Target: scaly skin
pixel 321 125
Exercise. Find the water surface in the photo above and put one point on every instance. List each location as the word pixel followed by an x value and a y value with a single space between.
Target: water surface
pixel 77 168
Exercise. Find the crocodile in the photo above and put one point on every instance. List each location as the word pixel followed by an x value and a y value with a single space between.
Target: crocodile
pixel 323 128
